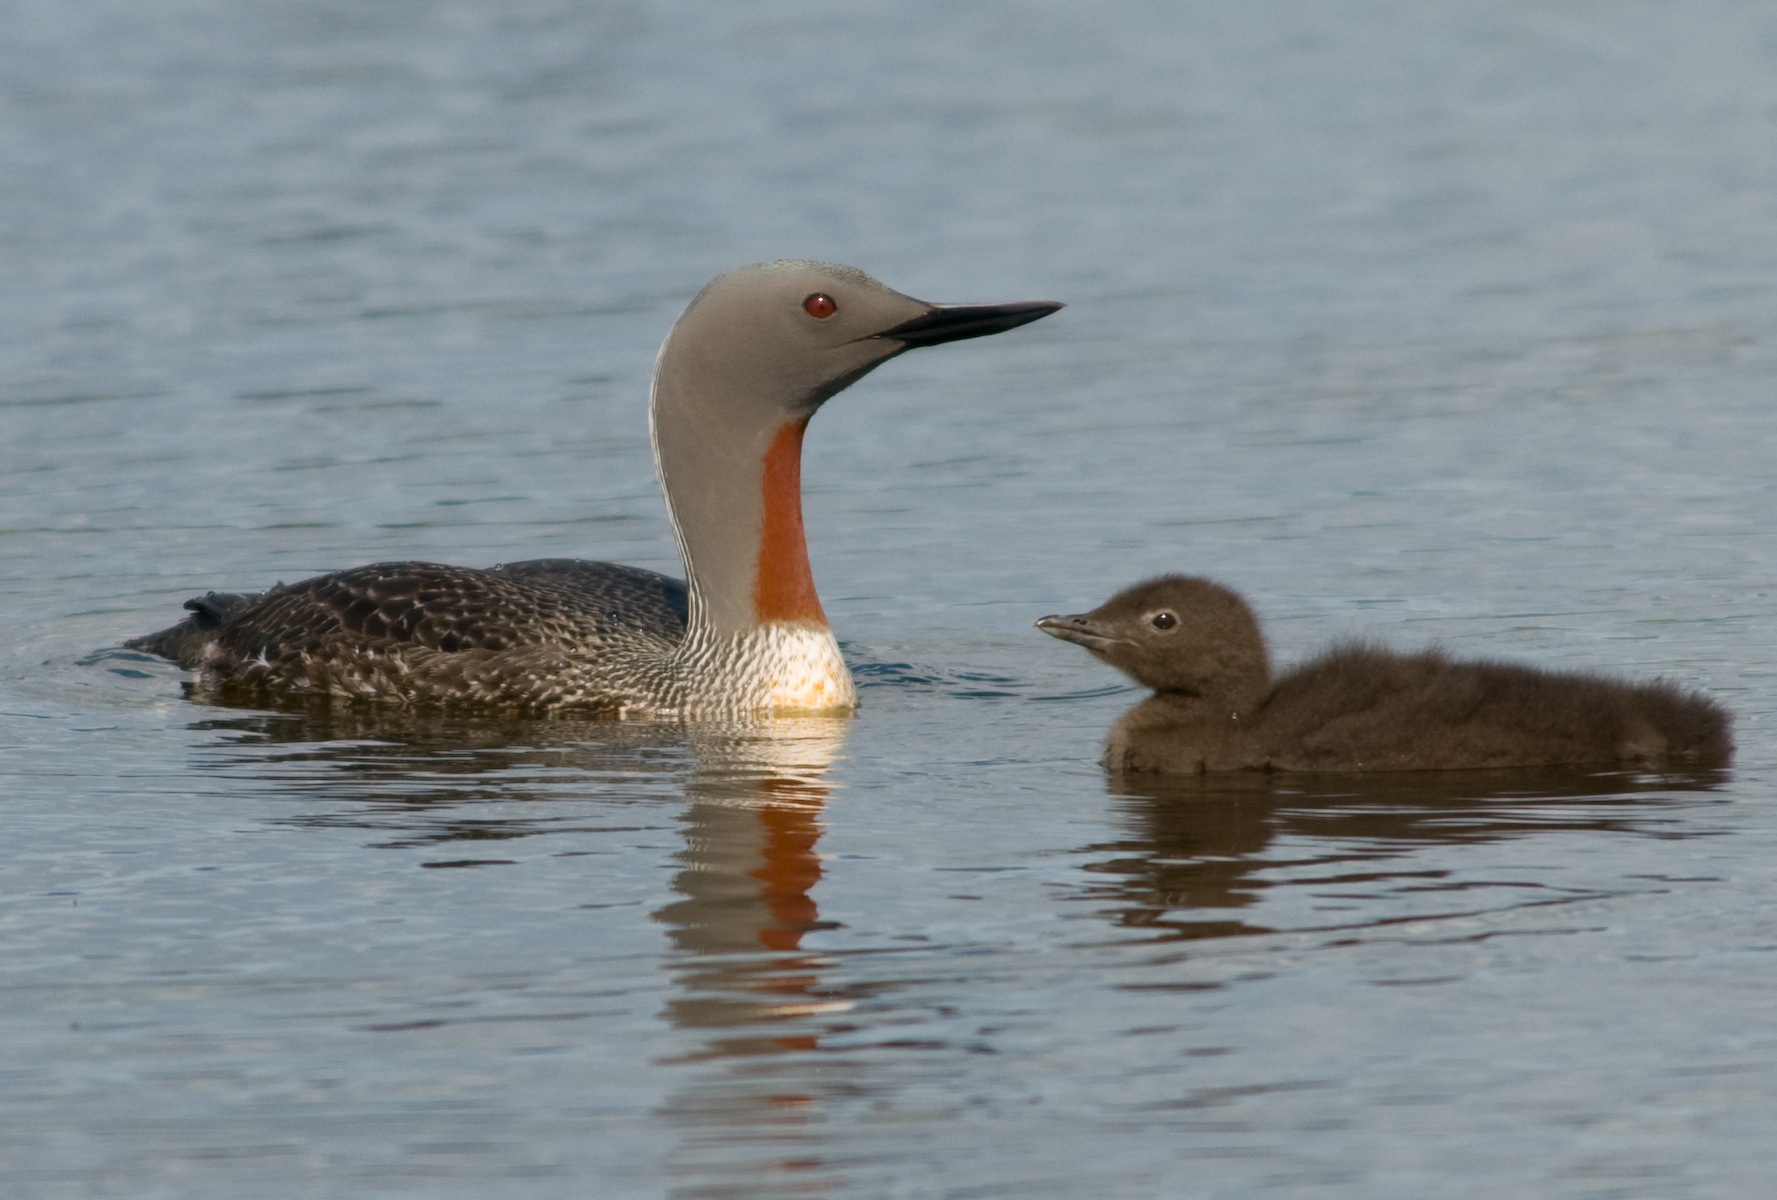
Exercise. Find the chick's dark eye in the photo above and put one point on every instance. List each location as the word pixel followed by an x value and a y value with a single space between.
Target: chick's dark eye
pixel 1163 620
pixel 820 305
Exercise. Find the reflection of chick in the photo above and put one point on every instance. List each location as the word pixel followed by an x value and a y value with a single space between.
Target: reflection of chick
pixel 1359 707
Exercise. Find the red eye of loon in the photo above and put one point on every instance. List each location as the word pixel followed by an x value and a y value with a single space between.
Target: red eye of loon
pixel 820 305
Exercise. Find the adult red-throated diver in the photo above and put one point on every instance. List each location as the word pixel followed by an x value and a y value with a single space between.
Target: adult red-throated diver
pixel 744 368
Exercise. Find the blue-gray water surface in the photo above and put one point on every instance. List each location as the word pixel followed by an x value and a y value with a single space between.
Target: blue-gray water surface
pixel 1433 322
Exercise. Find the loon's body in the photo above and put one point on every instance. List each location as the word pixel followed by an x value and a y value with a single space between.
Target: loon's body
pixel 545 634
pixel 1360 707
pixel 750 361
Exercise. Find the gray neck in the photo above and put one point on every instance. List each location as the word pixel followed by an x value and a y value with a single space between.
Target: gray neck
pixel 709 457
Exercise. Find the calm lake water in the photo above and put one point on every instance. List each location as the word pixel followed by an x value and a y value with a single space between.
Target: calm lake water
pixel 1435 322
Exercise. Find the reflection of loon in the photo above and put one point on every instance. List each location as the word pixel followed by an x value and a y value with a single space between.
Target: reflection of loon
pixel 1228 855
pixel 1358 707
pixel 752 358
pixel 754 1011
pixel 750 863
pixel 753 792
pixel 747 999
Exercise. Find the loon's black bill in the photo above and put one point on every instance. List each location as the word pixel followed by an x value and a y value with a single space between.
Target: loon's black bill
pixel 954 322
pixel 1077 629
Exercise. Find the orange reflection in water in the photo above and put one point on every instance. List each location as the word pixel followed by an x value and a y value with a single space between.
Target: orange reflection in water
pixel 790 866
pixel 743 981
pixel 752 829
